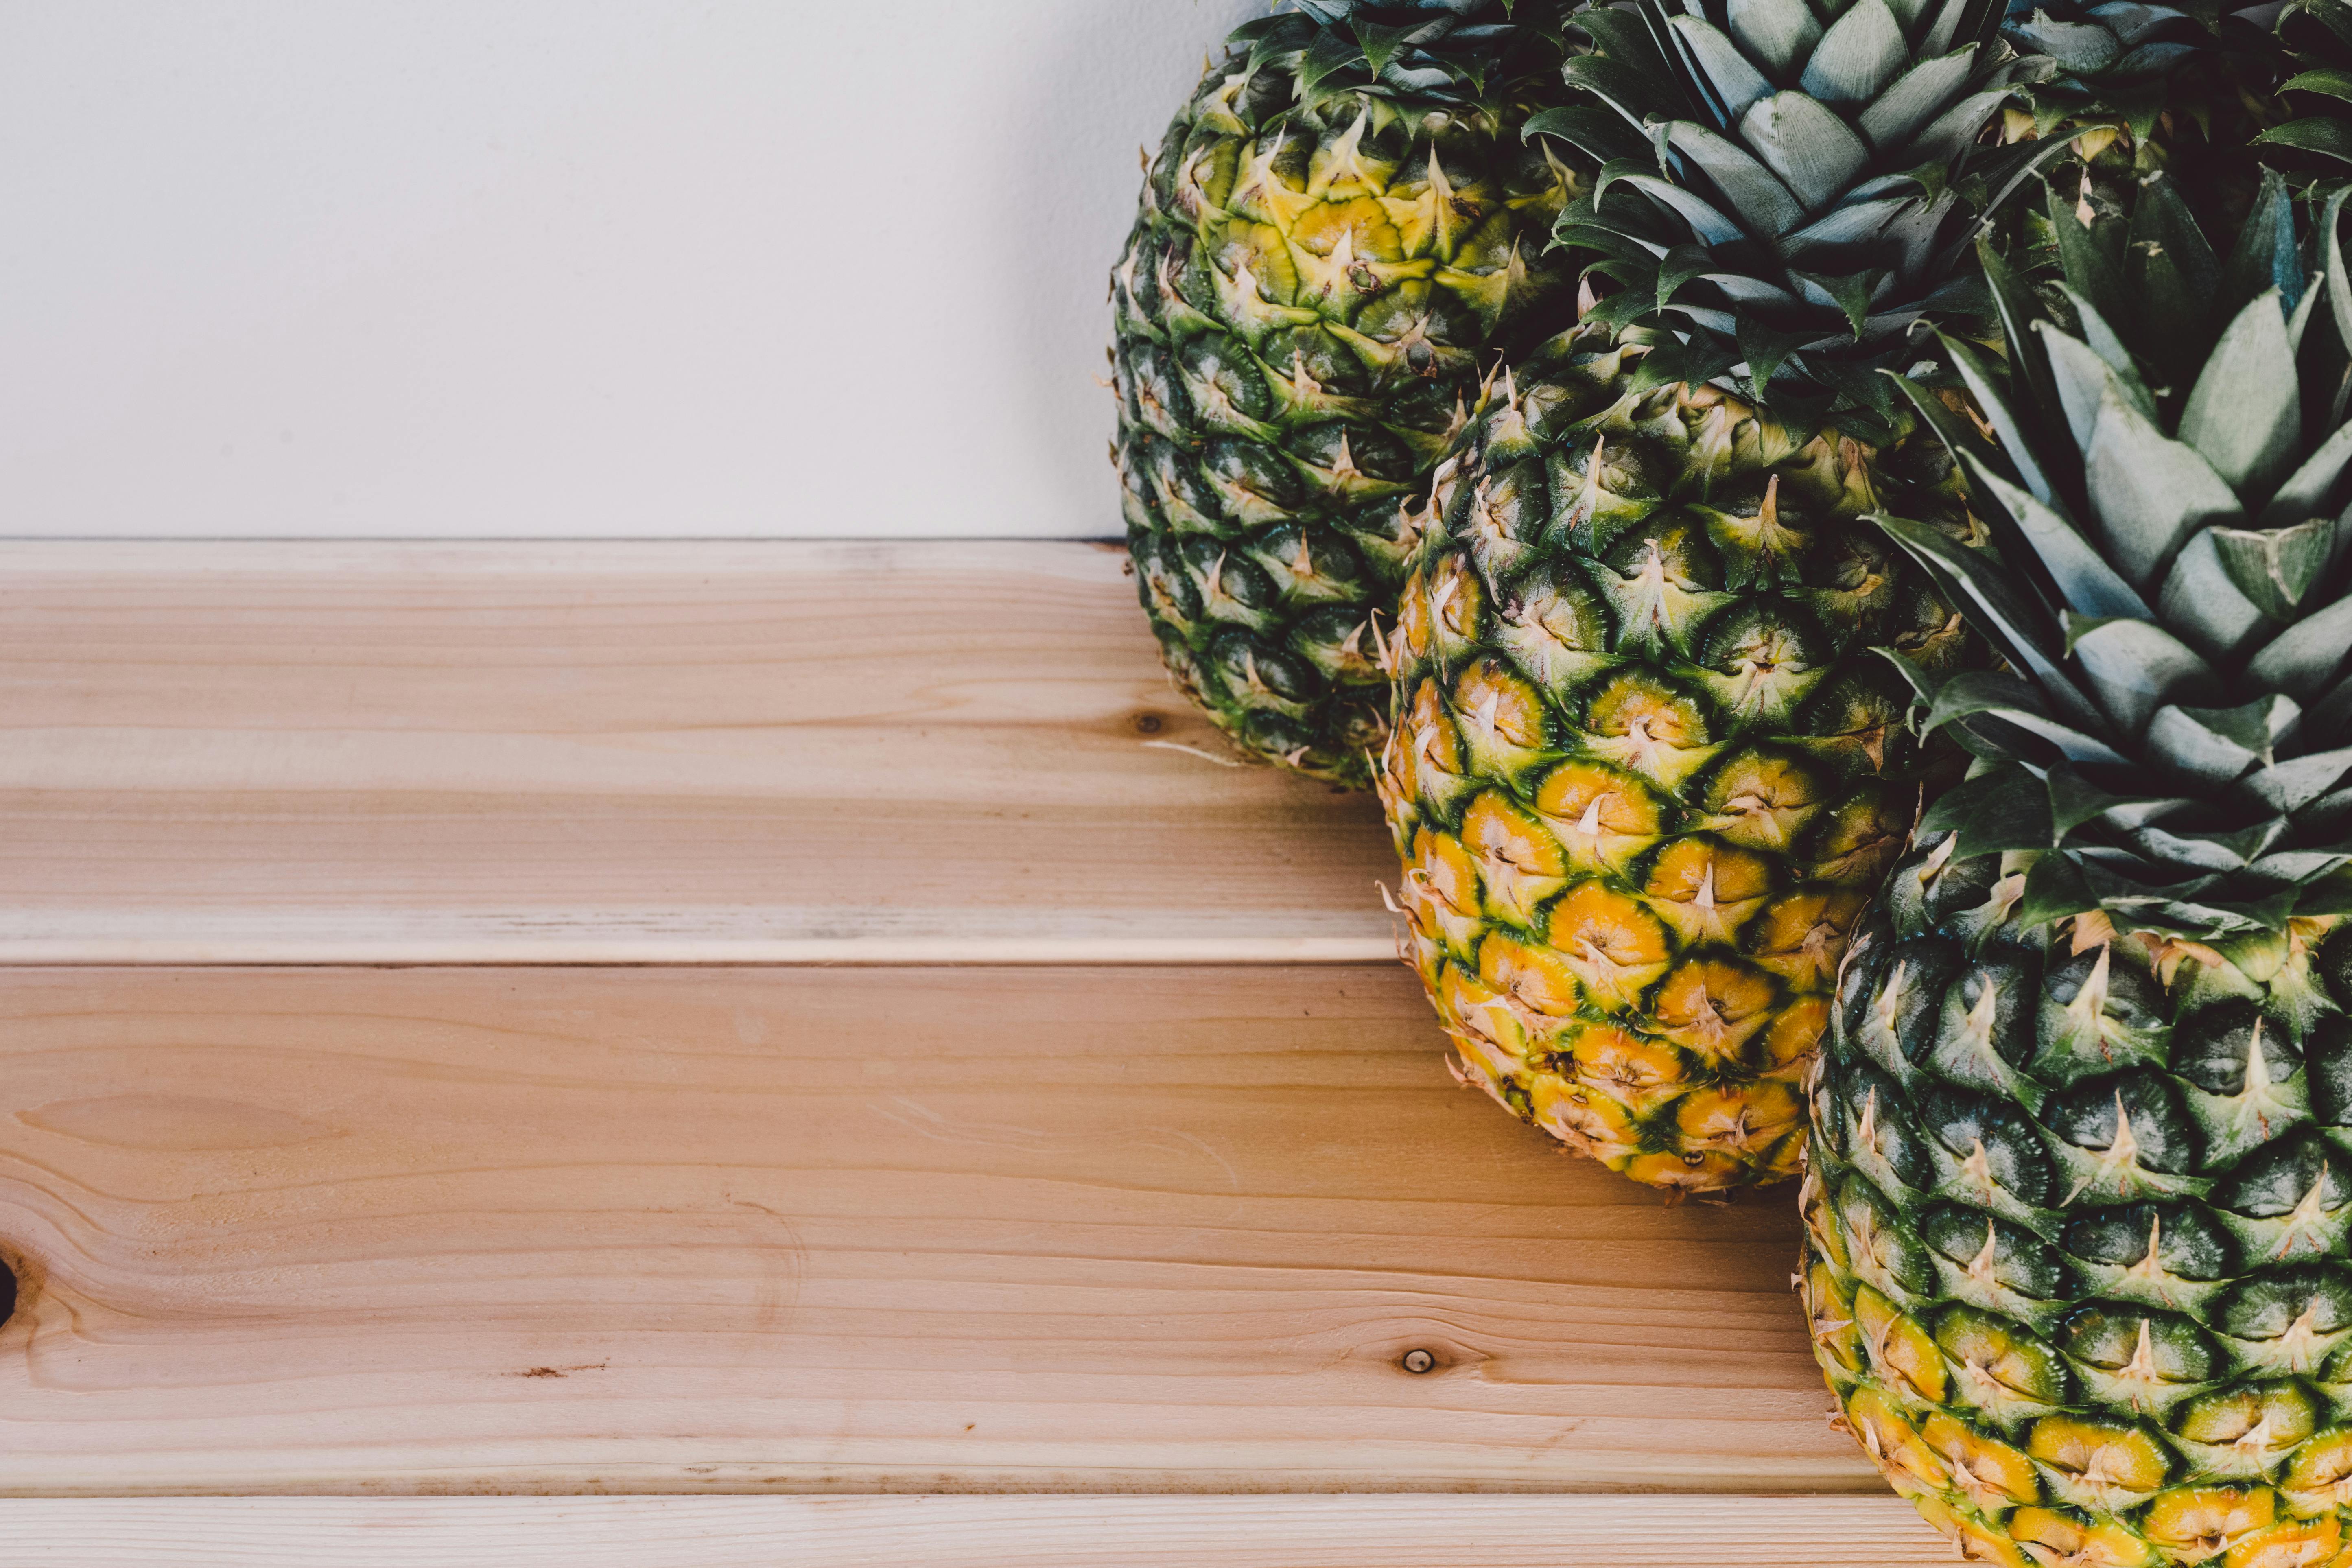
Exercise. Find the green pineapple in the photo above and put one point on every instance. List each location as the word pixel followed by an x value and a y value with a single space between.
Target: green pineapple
pixel 2081 1182
pixel 2149 86
pixel 1645 770
pixel 2158 73
pixel 1338 233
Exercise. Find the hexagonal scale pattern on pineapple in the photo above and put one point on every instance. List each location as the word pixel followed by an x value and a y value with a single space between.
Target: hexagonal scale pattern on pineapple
pixel 1647 768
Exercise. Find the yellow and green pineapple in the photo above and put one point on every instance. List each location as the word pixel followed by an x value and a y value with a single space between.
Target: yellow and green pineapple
pixel 1646 770
pixel 2079 1213
pixel 1338 234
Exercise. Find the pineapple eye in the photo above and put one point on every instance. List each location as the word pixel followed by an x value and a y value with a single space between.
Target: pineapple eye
pixel 1446 871
pixel 1990 1473
pixel 2259 1421
pixel 1677 555
pixel 2135 1120
pixel 1998 1359
pixel 1994 1145
pixel 1251 483
pixel 1186 503
pixel 1713 1007
pixel 1457 597
pixel 1520 865
pixel 1801 936
pixel 1256 675
pixel 1152 392
pixel 1856 567
pixel 1760 798
pixel 1505 509
pixel 1706 890
pixel 2305 1174
pixel 1994 1257
pixel 1224 383
pixel 1923 624
pixel 1602 483
pixel 2320 1479
pixel 2303 1309
pixel 1305 364
pixel 2100 1010
pixel 2190 1521
pixel 1351 464
pixel 1617 948
pixel 2216 1046
pixel 1499 711
pixel 1987 1026
pixel 2055 1535
pixel 1534 975
pixel 1794 1040
pixel 2189 1242
pixel 1334 640
pixel 1856 722
pixel 1909 1463
pixel 1647 703
pixel 1897 1017
pixel 1878 1136
pixel 1274 734
pixel 1232 587
pixel 2100 1465
pixel 2140 1343
pixel 2328 1048
pixel 1884 1251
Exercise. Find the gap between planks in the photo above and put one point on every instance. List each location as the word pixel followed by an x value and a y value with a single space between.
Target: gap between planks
pixel 1653 1531
pixel 377 752
pixel 516 938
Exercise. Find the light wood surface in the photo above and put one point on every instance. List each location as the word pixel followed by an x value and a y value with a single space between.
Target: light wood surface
pixel 1152 1197
pixel 285 752
pixel 589 1230
pixel 1658 1531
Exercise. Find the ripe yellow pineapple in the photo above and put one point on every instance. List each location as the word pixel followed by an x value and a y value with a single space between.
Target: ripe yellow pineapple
pixel 1646 770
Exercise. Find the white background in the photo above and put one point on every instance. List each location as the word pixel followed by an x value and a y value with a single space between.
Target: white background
pixel 509 267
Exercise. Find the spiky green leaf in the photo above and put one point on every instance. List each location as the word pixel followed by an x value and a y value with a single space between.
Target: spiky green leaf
pixel 2244 413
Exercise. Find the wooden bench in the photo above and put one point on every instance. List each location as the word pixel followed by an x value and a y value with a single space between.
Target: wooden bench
pixel 493 1025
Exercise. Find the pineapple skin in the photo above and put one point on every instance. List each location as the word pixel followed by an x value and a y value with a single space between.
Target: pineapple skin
pixel 2076 1227
pixel 1646 770
pixel 1310 293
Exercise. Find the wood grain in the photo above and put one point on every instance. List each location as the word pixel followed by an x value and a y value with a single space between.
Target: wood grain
pixel 913 753
pixel 1658 1531
pixel 605 1230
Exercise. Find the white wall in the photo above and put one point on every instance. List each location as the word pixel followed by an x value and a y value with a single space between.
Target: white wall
pixel 472 267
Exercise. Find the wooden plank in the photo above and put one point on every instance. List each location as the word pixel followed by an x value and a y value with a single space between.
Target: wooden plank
pixel 614 1229
pixel 672 752
pixel 1655 1531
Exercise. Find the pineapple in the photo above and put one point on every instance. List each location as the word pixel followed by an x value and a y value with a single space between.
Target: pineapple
pixel 2151 87
pixel 2156 72
pixel 1645 770
pixel 1336 234
pixel 2081 1181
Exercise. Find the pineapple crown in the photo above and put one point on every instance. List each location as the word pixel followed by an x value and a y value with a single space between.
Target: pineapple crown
pixel 1786 186
pixel 2127 62
pixel 2169 736
pixel 1431 52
